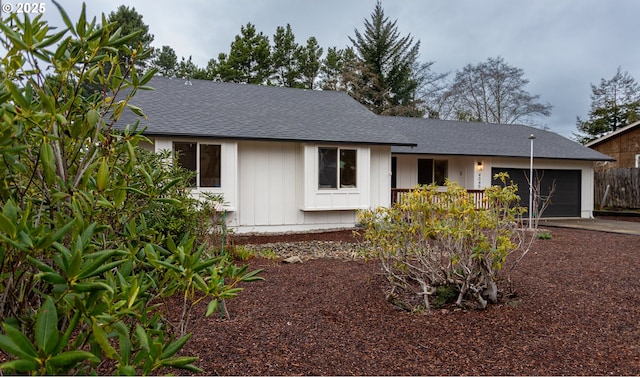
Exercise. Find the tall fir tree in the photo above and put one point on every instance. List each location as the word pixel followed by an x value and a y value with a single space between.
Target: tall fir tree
pixel 309 62
pixel 284 58
pixel 331 69
pixel 384 76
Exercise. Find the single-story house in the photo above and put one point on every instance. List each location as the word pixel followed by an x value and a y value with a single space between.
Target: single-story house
pixel 283 159
pixel 296 160
pixel 471 153
pixel 623 145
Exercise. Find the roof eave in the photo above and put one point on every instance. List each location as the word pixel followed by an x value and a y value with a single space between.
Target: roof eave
pixel 606 158
pixel 277 139
pixel 612 134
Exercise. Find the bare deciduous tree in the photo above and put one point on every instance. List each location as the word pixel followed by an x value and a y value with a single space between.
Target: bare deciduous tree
pixel 492 92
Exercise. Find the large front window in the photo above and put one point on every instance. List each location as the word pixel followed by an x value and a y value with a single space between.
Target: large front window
pixel 336 168
pixel 204 159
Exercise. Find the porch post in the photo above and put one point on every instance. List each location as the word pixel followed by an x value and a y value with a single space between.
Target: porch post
pixel 531 137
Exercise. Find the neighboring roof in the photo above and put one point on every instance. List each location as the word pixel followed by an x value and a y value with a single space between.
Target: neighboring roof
pixel 613 134
pixel 237 111
pixel 446 137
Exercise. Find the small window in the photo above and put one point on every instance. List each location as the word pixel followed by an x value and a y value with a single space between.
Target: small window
pixel 205 161
pixel 432 171
pixel 337 168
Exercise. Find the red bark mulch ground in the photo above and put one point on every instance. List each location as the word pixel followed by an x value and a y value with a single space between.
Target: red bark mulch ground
pixel 577 312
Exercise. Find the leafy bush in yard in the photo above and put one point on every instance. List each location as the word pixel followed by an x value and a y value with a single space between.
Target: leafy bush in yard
pixel 93 231
pixel 433 241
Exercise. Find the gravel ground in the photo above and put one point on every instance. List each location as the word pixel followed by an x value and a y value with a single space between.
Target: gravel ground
pixel 577 312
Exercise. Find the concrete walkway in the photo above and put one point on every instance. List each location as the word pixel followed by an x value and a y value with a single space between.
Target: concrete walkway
pixel 611 226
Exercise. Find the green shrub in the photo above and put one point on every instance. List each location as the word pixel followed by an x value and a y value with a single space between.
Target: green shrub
pixel 544 235
pixel 94 232
pixel 433 241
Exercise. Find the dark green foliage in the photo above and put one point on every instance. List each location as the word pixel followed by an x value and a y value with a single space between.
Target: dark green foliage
pixel 331 69
pixel 187 70
pixel 166 61
pixel 309 61
pixel 130 22
pixel 615 103
pixel 382 77
pixel 248 60
pixel 95 233
pixel 284 58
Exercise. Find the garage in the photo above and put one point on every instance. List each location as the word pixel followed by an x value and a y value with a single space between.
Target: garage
pixel 566 199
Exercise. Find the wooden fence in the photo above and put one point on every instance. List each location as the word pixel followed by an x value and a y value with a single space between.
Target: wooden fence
pixel 623 188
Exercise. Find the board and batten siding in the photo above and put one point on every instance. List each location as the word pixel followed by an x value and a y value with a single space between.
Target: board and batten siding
pixel 271 186
pixel 278 188
pixel 228 167
pixel 380 194
pixel 269 181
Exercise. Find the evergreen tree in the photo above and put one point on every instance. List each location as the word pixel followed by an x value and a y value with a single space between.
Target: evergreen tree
pixel 284 58
pixel 331 69
pixel 248 60
pixel 384 75
pixel 131 21
pixel 615 103
pixel 309 61
pixel 166 61
pixel 187 70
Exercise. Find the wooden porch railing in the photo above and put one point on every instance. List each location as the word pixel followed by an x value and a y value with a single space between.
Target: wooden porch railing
pixel 477 195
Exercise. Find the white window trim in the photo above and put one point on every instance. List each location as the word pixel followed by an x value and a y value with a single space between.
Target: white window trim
pixel 315 198
pixel 638 161
pixel 228 168
pixel 222 167
pixel 338 182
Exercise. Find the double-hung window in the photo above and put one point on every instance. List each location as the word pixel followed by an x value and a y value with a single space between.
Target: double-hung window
pixel 337 168
pixel 204 159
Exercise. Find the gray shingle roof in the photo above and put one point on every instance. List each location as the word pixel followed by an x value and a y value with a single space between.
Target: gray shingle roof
pixel 227 110
pixel 446 137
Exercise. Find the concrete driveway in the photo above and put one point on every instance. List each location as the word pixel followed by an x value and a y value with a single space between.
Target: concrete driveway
pixel 611 226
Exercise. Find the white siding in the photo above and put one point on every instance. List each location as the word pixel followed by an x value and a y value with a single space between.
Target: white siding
pixel 380 176
pixel 277 180
pixel 229 168
pixel 316 199
pixel 269 176
pixel 273 186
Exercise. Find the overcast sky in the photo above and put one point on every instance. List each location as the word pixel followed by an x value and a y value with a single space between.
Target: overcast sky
pixel 562 45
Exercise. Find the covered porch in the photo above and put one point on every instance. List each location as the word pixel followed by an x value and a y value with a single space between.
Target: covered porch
pixel 477 195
